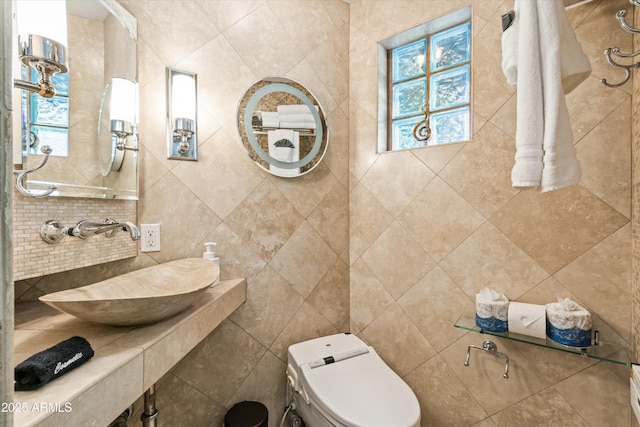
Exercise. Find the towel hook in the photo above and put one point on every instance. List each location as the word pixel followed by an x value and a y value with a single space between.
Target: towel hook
pixel 623 23
pixel 626 68
pixel 22 175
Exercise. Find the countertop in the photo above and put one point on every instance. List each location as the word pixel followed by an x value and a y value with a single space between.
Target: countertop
pixel 127 360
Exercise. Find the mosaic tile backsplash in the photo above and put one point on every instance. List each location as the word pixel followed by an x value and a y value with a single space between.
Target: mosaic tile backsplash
pixel 32 257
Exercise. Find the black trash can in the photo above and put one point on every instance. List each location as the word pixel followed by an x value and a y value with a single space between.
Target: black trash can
pixel 247 414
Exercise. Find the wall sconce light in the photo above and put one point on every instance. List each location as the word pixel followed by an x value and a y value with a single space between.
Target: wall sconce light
pixel 122 111
pixel 42 41
pixel 182 143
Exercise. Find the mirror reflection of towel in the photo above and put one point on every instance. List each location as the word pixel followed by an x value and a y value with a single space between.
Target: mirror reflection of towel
pixel 284 152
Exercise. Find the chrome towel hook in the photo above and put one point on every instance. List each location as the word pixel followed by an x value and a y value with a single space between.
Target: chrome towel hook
pixel 623 23
pixel 626 68
pixel 621 15
pixel 22 175
pixel 489 347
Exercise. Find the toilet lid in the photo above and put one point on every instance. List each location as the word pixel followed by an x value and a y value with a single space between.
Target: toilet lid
pixel 362 392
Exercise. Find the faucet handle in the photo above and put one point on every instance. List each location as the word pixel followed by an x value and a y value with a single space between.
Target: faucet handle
pixel 109 234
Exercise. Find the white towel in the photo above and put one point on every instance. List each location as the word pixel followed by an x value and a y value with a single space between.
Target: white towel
pixel 297 118
pixel 283 153
pixel 295 109
pixel 552 64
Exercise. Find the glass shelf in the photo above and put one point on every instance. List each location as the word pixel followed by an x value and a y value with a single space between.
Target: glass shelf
pixel 608 348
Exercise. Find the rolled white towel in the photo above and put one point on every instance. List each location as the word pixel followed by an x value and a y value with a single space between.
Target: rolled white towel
pixel 270 123
pixel 295 109
pixel 273 115
pixel 297 118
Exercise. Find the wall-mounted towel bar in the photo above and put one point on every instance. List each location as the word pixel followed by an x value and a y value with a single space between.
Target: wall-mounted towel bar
pixel 621 15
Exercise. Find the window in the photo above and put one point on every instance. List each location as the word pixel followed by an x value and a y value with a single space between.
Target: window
pixel 427 68
pixel 45 121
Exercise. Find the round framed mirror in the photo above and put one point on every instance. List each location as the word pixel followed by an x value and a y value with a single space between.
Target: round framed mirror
pixel 282 127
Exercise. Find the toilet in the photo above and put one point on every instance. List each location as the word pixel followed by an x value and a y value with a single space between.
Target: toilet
pixel 339 381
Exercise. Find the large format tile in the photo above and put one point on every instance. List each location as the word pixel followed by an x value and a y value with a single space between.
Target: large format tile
pixel 368 219
pixel 265 220
pixel 444 400
pixel 395 180
pixel 228 354
pixel 397 260
pixel 544 408
pixel 603 282
pixel 304 259
pixel 489 259
pixel 555 228
pixel 481 171
pixel 434 304
pixel 605 158
pixel 450 219
pixel 368 298
pixel 483 377
pixel 271 303
pixel 599 394
pixel 391 334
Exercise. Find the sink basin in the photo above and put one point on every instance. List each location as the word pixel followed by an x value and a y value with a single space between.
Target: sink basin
pixel 140 297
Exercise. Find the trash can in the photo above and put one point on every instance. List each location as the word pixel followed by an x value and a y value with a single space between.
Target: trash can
pixel 247 414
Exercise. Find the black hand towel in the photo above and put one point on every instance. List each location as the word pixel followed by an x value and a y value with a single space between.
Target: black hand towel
pixel 52 363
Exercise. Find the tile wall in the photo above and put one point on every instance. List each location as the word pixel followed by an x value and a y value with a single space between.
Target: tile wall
pixel 289 238
pixel 429 228
pixel 400 242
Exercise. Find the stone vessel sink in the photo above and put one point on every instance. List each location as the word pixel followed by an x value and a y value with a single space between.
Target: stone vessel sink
pixel 140 297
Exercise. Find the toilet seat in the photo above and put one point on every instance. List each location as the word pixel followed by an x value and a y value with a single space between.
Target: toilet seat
pixel 360 391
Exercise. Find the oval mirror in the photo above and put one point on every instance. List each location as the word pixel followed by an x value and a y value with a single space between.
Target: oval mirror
pixel 110 157
pixel 282 127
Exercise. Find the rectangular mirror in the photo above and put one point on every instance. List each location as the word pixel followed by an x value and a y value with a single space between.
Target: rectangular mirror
pixel 94 146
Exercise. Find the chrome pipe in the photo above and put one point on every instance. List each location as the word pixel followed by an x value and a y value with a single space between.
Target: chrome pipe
pixel 150 413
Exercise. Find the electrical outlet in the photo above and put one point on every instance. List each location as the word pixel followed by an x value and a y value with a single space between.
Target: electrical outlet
pixel 150 237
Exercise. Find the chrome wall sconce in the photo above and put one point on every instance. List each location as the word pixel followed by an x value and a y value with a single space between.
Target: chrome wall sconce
pixel 182 141
pixel 42 41
pixel 123 111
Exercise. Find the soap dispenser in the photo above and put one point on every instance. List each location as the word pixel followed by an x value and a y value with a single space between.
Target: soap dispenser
pixel 210 255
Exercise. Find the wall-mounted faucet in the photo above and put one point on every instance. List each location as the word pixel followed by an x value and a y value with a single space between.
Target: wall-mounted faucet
pixel 53 232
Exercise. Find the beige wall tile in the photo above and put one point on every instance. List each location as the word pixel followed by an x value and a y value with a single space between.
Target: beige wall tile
pixel 391 334
pixel 451 219
pixel 483 377
pixel 556 227
pixel 472 272
pixel 304 259
pixel 228 354
pixel 434 304
pixel 397 260
pixel 395 179
pixel 271 303
pixel 545 408
pixel 444 400
pixel 599 394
